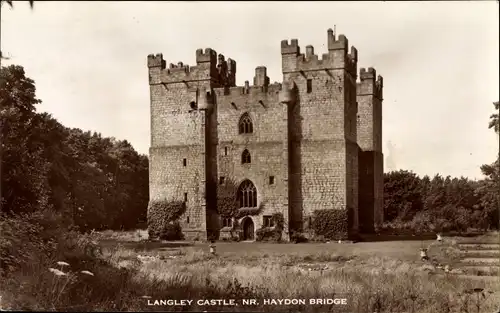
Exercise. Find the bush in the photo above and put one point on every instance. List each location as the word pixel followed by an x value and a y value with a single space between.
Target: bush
pixel 161 213
pixel 298 237
pixel 332 224
pixel 272 234
pixel 172 231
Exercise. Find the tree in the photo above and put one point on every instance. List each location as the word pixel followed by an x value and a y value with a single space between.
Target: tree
pixel 94 181
pixel 24 169
pixel 494 118
pixel 402 195
pixel 489 189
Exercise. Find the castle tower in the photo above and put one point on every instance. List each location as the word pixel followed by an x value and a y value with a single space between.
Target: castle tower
pixel 322 127
pixel 183 135
pixel 371 160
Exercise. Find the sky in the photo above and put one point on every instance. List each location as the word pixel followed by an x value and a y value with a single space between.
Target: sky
pixel 439 60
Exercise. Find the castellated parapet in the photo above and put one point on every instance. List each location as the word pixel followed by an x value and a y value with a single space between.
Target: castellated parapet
pixel 209 65
pixel 294 147
pixel 337 56
pixel 370 84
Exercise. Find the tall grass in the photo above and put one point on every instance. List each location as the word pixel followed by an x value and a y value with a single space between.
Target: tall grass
pixel 46 266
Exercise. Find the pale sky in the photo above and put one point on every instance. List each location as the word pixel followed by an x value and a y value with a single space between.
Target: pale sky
pixel 439 60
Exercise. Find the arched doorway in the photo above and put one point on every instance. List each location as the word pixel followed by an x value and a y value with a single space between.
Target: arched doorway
pixel 248 229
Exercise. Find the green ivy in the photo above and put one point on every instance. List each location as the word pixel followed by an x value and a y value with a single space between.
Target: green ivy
pixel 331 224
pixel 163 216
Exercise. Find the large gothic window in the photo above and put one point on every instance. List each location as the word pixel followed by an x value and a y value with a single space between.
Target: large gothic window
pixel 247 195
pixel 245 157
pixel 245 125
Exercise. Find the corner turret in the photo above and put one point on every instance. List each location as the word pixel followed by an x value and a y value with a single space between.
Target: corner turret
pixel 370 83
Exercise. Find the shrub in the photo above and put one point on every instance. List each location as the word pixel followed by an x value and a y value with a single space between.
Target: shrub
pixel 171 231
pixel 297 237
pixel 273 234
pixel 332 224
pixel 161 213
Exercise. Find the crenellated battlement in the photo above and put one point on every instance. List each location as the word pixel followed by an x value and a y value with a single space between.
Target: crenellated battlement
pixel 209 66
pixel 248 95
pixel 226 71
pixel 337 56
pixel 208 56
pixel 370 84
pixel 248 90
pixel 337 44
pixel 290 48
pixel 156 61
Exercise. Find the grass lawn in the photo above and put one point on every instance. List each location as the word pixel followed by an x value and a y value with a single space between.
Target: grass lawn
pixel 384 276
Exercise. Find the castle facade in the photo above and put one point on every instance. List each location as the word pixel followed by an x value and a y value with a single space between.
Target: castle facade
pixel 313 142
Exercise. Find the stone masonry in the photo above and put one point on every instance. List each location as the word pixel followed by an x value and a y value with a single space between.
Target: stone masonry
pixel 313 142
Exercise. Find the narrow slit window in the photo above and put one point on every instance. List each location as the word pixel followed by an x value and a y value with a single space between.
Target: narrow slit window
pixel 187 220
pixel 225 150
pixel 184 162
pixel 309 85
pixel 222 180
pixel 185 197
pixel 271 180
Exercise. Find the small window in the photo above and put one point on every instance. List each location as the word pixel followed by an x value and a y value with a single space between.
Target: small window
pixel 222 180
pixel 245 157
pixel 268 221
pixel 187 220
pixel 192 105
pixel 185 197
pixel 227 222
pixel 271 180
pixel 184 162
pixel 225 150
pixel 309 85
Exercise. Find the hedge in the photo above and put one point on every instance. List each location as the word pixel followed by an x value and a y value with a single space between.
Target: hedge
pixel 163 216
pixel 331 224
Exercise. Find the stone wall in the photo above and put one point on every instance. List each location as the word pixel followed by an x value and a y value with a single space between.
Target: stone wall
pixel 266 143
pixel 319 135
pixel 369 137
pixel 325 133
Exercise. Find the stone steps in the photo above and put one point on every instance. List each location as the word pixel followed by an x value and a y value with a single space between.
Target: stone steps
pixel 478 270
pixel 482 240
pixel 480 256
pixel 486 253
pixel 481 261
pixel 479 246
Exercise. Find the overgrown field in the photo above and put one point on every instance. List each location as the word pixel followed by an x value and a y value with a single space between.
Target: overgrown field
pixel 374 277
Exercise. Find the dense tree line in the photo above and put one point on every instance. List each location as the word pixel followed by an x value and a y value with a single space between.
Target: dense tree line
pixel 444 203
pixel 95 181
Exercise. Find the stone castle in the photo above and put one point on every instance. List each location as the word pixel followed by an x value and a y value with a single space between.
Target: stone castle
pixel 313 142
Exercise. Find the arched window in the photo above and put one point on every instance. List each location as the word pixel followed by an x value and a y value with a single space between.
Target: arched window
pixel 245 125
pixel 245 157
pixel 247 195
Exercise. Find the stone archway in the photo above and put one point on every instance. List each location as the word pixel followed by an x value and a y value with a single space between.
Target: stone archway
pixel 248 229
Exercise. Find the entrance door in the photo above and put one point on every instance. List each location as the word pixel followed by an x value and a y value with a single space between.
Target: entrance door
pixel 248 229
